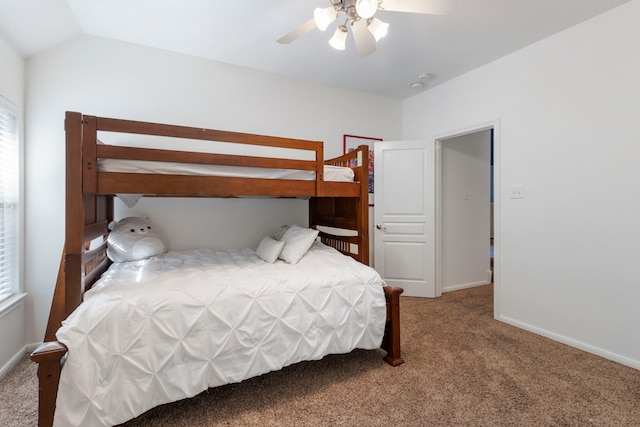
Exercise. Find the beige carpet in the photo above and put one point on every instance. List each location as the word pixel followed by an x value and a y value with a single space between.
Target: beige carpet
pixel 462 369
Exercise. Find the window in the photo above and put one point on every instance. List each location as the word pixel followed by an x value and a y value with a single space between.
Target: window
pixel 9 171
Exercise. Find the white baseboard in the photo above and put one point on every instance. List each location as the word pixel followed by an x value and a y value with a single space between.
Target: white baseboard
pixel 573 343
pixel 29 348
pixel 464 286
pixel 11 363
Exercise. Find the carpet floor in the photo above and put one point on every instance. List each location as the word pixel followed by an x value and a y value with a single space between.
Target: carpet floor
pixel 463 368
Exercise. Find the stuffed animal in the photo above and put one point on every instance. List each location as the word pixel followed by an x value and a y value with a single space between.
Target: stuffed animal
pixel 133 239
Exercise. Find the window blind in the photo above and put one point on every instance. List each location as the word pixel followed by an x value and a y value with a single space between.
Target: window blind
pixel 9 199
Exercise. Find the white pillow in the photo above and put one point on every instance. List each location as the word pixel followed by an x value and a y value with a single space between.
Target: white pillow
pixel 297 241
pixel 269 249
pixel 278 234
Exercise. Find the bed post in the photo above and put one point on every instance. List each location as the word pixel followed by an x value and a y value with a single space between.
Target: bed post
pixel 363 206
pixel 49 357
pixel 75 128
pixel 319 169
pixel 391 340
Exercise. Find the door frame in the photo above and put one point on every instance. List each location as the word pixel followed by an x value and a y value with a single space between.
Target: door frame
pixel 438 140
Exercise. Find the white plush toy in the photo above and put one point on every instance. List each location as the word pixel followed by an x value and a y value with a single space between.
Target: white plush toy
pixel 133 239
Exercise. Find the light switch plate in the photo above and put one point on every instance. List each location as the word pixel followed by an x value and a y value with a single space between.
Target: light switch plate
pixel 516 192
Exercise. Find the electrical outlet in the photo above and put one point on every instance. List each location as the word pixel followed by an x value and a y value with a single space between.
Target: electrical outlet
pixel 516 192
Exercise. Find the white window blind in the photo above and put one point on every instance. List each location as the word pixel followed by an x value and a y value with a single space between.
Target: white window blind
pixel 9 171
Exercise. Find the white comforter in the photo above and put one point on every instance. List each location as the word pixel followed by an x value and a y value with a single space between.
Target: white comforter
pixel 160 330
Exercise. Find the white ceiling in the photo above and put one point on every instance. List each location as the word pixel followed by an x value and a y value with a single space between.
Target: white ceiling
pixel 245 33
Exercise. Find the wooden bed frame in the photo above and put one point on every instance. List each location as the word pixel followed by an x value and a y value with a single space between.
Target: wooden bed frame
pixel 89 209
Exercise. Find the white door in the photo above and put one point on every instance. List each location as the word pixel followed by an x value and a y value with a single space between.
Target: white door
pixel 404 218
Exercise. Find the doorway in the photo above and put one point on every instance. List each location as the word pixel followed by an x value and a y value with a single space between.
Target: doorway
pixel 465 208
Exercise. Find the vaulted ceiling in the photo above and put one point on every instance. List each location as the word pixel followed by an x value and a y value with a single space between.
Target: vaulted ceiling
pixel 245 33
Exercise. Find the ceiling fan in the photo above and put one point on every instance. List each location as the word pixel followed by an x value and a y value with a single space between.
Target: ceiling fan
pixel 360 17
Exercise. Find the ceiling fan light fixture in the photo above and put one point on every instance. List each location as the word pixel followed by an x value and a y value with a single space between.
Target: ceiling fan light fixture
pixel 324 17
pixel 378 28
pixel 366 8
pixel 339 39
pixel 366 30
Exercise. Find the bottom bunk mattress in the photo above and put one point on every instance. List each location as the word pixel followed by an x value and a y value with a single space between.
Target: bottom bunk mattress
pixel 163 329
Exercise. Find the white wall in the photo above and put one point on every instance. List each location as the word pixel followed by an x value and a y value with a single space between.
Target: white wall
pixel 568 113
pixel 12 312
pixel 114 79
pixel 465 251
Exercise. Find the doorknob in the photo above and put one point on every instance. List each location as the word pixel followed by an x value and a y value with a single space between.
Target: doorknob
pixel 381 227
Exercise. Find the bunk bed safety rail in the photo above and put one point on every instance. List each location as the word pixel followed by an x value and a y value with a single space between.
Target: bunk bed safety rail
pixel 347 245
pixel 93 150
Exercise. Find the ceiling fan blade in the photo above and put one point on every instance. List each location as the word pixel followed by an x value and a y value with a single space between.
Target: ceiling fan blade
pixel 301 30
pixel 430 7
pixel 365 41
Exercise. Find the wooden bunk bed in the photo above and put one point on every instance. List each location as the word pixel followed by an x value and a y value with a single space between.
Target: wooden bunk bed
pixel 89 207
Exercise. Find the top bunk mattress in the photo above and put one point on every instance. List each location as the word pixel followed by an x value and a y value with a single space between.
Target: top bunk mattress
pixel 331 173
